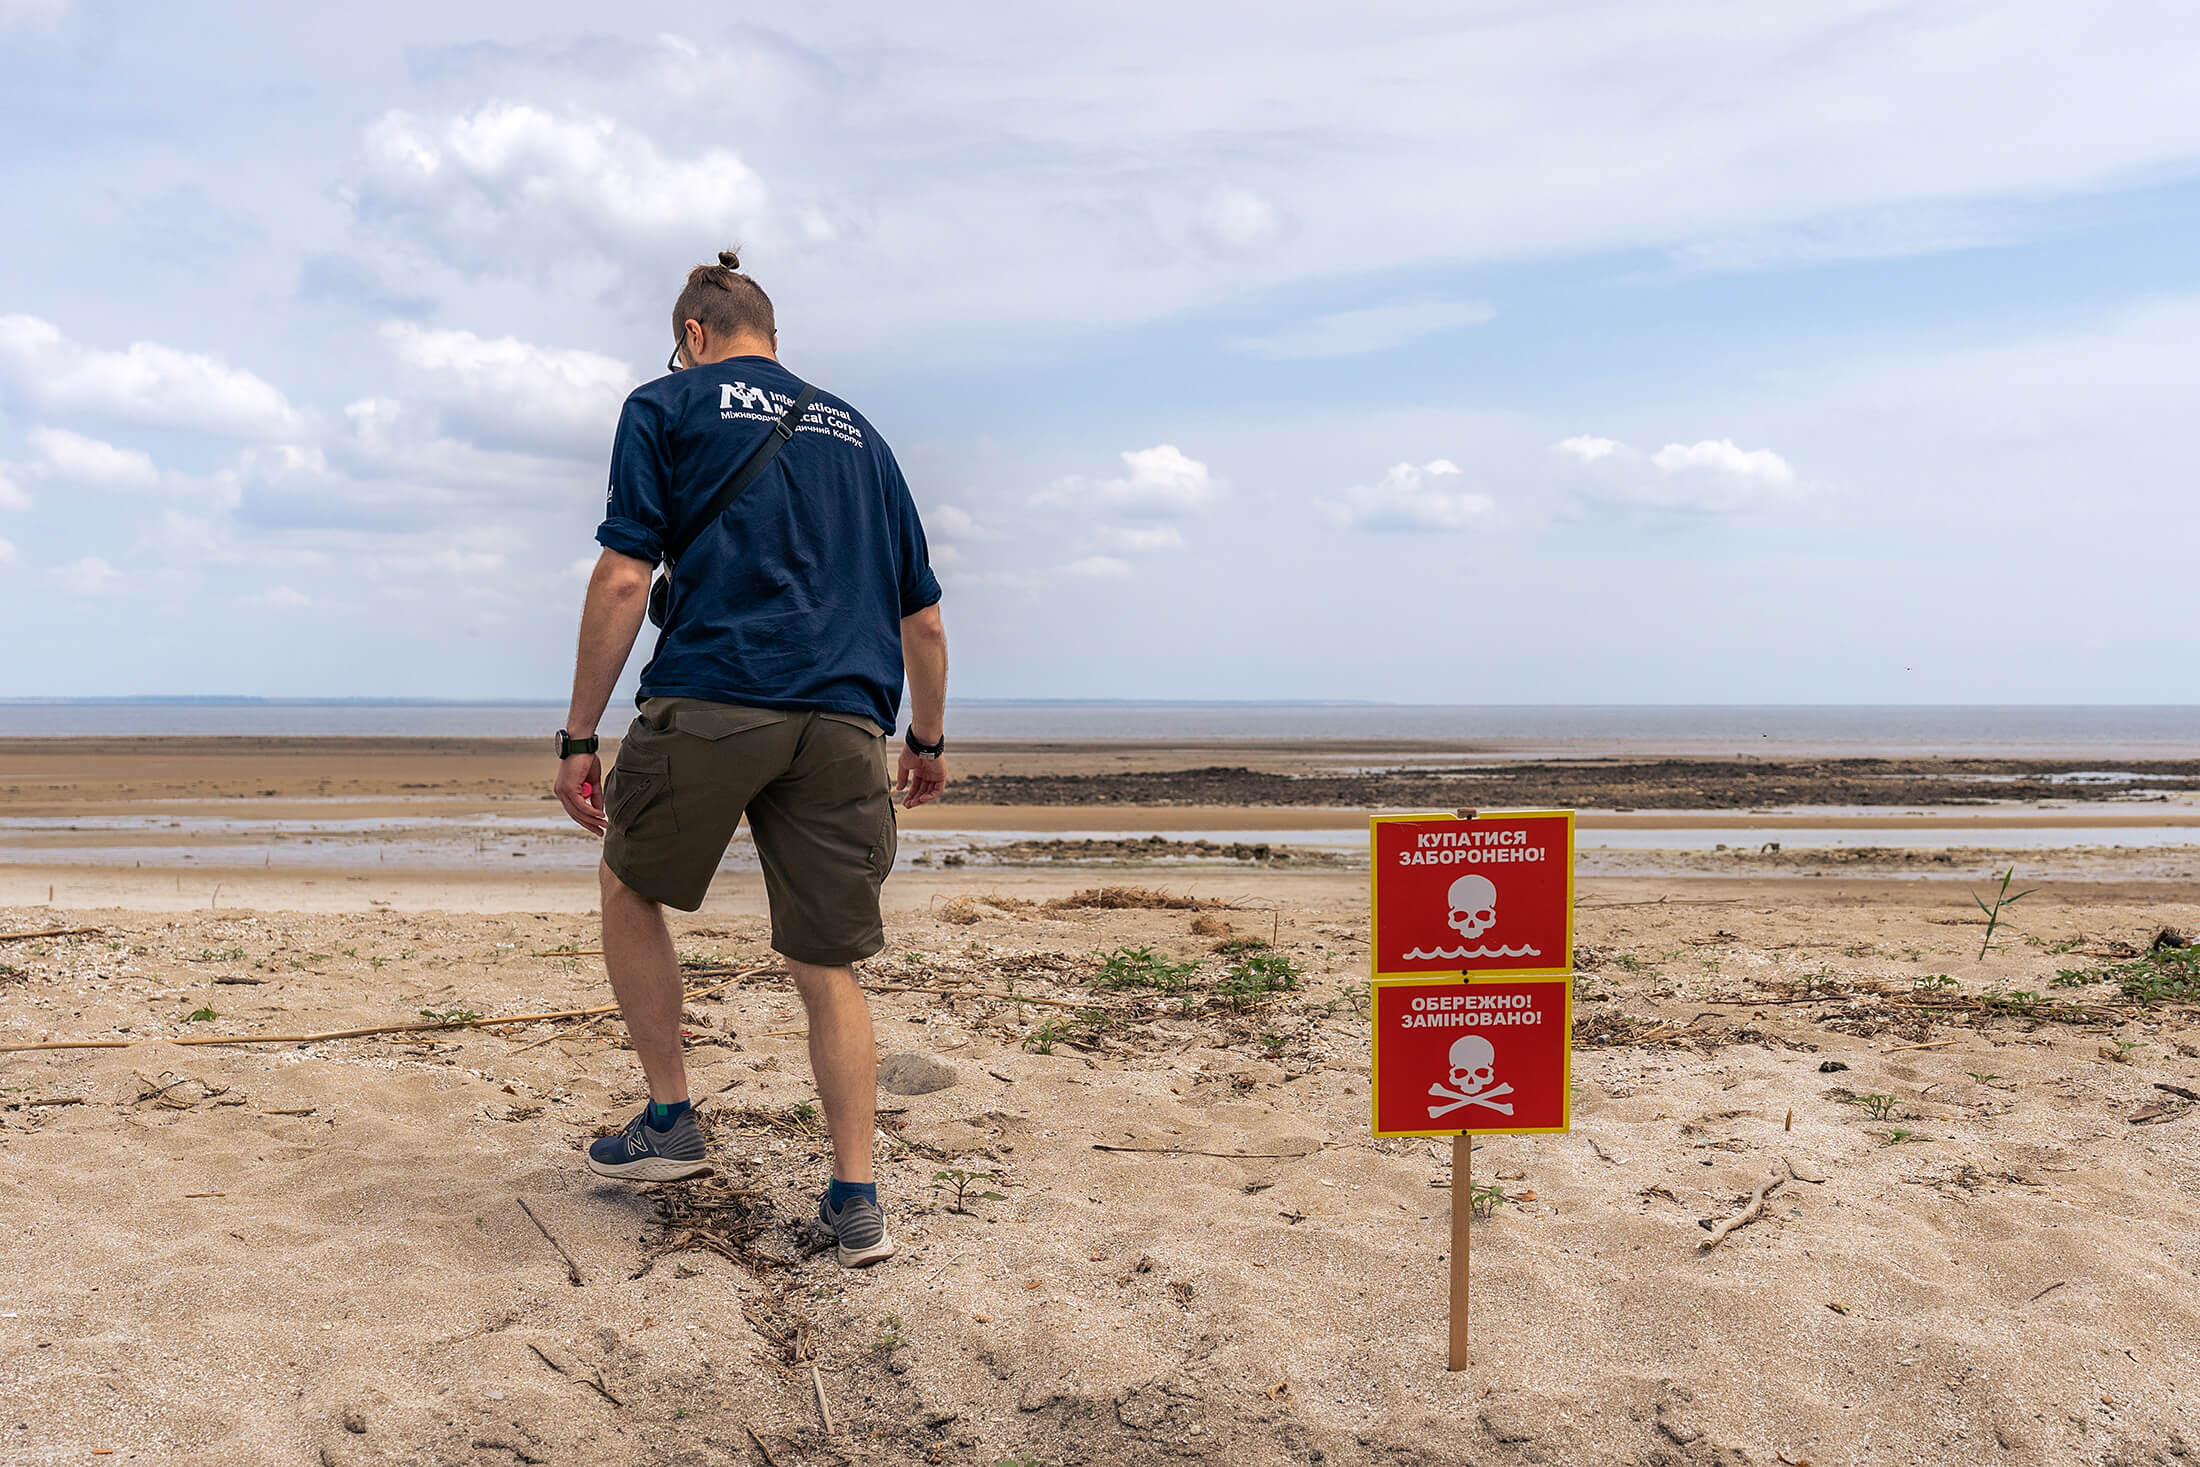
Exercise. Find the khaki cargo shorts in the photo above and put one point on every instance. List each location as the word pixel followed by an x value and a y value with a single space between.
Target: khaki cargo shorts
pixel 815 789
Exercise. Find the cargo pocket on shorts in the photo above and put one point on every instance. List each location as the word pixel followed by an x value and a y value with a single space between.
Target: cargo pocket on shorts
pixel 885 844
pixel 639 795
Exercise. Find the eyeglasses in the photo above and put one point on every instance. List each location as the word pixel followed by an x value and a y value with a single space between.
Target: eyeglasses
pixel 672 363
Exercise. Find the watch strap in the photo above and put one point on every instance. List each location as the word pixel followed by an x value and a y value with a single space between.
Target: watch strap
pixel 568 746
pixel 924 751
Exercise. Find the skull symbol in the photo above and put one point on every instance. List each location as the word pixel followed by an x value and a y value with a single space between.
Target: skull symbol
pixel 1473 905
pixel 1473 1065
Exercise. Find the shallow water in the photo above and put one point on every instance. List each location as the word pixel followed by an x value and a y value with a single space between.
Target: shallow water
pixel 1558 730
pixel 482 842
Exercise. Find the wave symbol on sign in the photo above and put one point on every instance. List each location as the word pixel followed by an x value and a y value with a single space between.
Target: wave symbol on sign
pixel 1523 951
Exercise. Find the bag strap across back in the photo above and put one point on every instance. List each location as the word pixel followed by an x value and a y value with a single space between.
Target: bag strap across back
pixel 781 434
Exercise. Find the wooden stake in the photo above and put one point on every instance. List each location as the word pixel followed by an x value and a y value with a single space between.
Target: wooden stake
pixel 1462 1213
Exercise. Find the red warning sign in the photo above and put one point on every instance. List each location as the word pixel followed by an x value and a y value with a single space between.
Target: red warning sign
pixel 1454 1057
pixel 1490 895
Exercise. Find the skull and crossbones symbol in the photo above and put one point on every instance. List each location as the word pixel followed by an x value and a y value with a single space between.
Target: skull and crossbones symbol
pixel 1473 1068
pixel 1473 906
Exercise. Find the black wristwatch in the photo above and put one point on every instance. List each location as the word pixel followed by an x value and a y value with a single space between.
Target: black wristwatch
pixel 568 746
pixel 924 751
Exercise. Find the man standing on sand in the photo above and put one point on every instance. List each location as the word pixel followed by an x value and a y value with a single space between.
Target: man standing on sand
pixel 800 592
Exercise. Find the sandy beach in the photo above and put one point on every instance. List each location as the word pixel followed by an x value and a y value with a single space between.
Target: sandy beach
pixel 1981 1247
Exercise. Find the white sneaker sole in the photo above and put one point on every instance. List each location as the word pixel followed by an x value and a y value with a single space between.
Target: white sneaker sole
pixel 864 1257
pixel 651 1169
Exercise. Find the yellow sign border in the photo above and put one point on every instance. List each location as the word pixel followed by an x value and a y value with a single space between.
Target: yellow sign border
pixel 1375 1057
pixel 1374 911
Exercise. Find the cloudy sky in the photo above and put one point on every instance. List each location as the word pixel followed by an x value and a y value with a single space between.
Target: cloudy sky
pixel 1830 351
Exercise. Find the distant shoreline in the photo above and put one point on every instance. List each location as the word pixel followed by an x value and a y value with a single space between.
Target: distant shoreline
pixel 1554 731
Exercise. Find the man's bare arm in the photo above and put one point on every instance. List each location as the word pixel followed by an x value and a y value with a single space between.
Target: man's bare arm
pixel 618 595
pixel 924 656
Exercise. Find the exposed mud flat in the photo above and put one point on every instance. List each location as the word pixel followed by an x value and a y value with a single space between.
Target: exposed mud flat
pixel 1663 784
pixel 1140 850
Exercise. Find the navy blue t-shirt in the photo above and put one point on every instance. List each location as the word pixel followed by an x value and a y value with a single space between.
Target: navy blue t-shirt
pixel 794 597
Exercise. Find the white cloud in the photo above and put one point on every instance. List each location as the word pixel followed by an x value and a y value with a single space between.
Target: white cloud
pixel 285 596
pixel 87 577
pixel 1098 568
pixel 582 570
pixel 11 493
pixel 1238 219
pixel 81 460
pixel 486 175
pixel 146 383
pixel 1713 476
pixel 1139 539
pixel 510 392
pixel 1721 456
pixel 7 553
pixel 1163 482
pixel 1377 328
pixel 951 522
pixel 1588 447
pixel 31 14
pixel 463 562
pixel 1410 498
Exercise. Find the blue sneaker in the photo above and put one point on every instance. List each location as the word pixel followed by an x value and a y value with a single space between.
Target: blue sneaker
pixel 858 1229
pixel 640 1154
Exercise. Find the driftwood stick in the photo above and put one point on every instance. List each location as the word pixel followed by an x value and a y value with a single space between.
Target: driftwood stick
pixel 422 1027
pixel 1749 1214
pixel 577 1032
pixel 594 1380
pixel 769 1459
pixel 1055 1003
pixel 572 1269
pixel 48 932
pixel 545 1359
pixel 1195 1151
pixel 817 1383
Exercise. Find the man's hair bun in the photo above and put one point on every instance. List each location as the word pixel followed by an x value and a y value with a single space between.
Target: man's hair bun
pixel 724 300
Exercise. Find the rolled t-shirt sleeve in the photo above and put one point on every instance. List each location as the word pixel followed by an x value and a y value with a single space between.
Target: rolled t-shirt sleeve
pixel 919 587
pixel 641 481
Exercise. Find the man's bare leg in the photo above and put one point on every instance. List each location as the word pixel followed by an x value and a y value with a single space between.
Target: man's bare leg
pixel 843 1058
pixel 645 978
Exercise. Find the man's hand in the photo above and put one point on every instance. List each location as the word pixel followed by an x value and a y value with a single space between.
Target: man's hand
pixel 919 780
pixel 579 788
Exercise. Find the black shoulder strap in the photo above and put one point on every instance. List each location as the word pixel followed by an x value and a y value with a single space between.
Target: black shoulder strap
pixel 782 433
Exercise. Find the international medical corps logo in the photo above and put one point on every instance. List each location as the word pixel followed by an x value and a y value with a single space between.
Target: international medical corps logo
pixel 738 395
pixel 1491 894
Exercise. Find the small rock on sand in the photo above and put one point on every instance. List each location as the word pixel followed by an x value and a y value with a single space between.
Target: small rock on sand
pixel 914 1074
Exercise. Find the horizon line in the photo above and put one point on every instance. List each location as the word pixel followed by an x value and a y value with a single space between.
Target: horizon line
pixel 368 701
